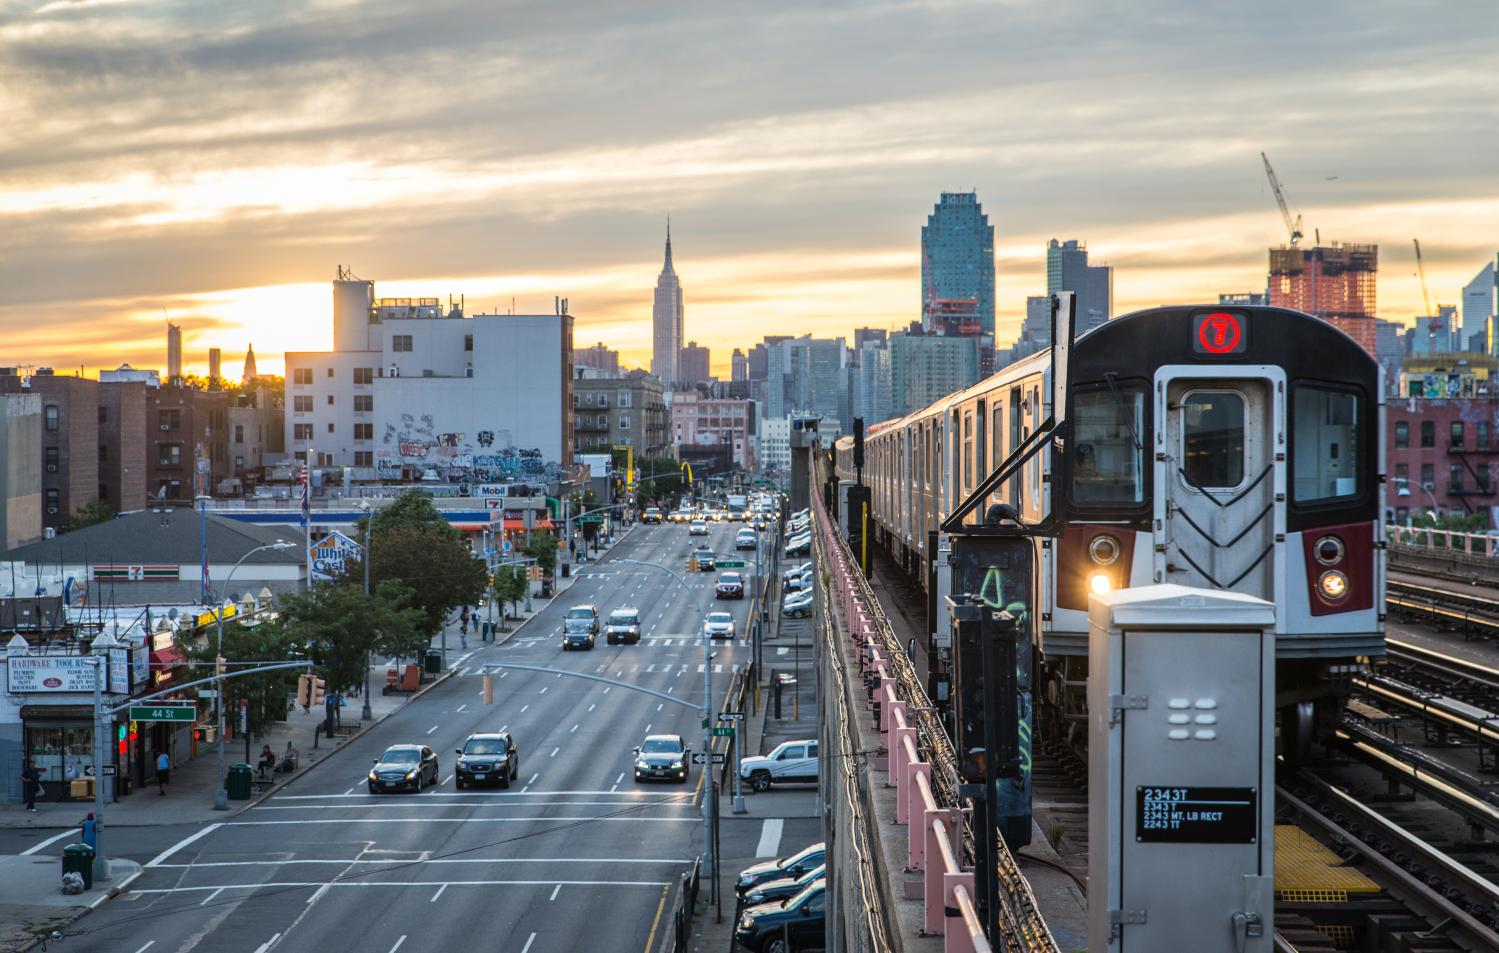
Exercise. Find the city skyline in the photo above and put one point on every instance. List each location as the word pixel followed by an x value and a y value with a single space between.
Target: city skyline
pixel 210 168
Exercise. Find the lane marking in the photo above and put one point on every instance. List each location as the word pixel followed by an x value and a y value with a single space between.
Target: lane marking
pixel 502 675
pixel 438 893
pixel 432 729
pixel 204 903
pixel 616 786
pixel 620 778
pixel 592 707
pixel 52 840
pixel 647 730
pixel 661 706
pixel 403 936
pixel 461 707
pixel 267 944
pixel 149 943
pixel 544 689
pixel 656 922
pixel 770 837
pixel 574 729
pixel 154 861
pixel 606 689
pixel 664 798
pixel 529 940
pixel 663 861
pixel 523 709
pixel 316 896
pixel 447 779
pixel 428 819
pixel 554 752
pixel 555 890
pixel 350 791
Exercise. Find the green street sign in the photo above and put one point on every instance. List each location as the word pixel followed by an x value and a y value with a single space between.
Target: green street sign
pixel 595 518
pixel 723 732
pixel 729 563
pixel 188 713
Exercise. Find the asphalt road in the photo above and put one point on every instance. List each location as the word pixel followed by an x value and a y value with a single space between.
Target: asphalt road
pixel 576 855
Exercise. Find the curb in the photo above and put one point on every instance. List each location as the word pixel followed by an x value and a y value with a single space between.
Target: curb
pixel 93 905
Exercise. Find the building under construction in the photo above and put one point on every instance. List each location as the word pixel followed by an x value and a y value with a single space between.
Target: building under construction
pixel 1336 283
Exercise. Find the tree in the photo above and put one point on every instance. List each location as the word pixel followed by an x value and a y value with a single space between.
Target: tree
pixel 411 543
pixel 659 479
pixel 590 524
pixel 510 585
pixel 543 549
pixel 338 626
pixel 94 511
pixel 256 644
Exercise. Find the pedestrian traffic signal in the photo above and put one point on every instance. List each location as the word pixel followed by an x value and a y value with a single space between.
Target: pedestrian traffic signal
pixel 318 690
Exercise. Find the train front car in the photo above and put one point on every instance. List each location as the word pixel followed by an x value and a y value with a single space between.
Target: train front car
pixel 1236 449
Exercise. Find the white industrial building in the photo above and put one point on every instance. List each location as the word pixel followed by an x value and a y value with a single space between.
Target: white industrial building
pixel 414 390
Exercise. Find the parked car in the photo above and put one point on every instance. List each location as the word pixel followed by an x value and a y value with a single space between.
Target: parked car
pixel 587 613
pixel 782 926
pixel 651 515
pixel 730 586
pixel 798 605
pixel 705 557
pixel 801 582
pixel 719 625
pixel 783 887
pixel 798 546
pixel 662 757
pixel 746 539
pixel 797 570
pixel 487 756
pixel 697 527
pixel 623 626
pixel 793 866
pixel 402 767
pixel 576 634
pixel 790 761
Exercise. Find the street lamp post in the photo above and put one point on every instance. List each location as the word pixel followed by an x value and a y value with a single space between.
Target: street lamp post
pixel 711 865
pixel 221 793
pixel 366 713
pixel 1404 485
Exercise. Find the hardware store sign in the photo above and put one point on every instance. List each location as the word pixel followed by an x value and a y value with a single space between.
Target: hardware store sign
pixel 54 673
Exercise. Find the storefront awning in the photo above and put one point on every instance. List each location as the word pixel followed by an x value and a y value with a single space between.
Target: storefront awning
pixel 35 713
pixel 519 526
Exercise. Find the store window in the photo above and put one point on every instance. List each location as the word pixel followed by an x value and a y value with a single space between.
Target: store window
pixel 61 753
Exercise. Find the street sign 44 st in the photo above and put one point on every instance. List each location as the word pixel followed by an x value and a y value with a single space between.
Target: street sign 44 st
pixel 187 713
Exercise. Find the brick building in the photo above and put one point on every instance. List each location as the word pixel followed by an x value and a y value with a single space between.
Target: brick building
pixel 1441 454
pixel 179 422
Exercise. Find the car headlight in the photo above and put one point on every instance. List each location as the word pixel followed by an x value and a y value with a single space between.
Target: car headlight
pixel 373 776
pixel 642 765
pixel 678 763
pixel 411 774
pixel 755 897
pixel 1333 584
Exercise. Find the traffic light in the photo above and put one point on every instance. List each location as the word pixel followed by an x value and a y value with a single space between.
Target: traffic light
pixel 304 690
pixel 318 692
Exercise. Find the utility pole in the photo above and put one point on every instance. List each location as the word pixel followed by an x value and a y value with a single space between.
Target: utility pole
pixel 367 714
pixel 101 735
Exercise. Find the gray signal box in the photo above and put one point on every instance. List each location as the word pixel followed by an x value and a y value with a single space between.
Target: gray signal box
pixel 1181 771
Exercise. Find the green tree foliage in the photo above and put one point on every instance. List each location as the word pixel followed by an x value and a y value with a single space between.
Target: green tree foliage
pixel 659 479
pixel 412 544
pixel 543 549
pixel 94 511
pixel 582 504
pixel 339 626
pixel 510 585
pixel 263 643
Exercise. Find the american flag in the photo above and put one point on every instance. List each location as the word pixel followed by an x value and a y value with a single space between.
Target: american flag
pixel 306 498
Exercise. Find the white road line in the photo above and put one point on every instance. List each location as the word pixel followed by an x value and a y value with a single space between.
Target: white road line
pixel 647 730
pixel 783 650
pixel 181 844
pixel 770 837
pixel 485 794
pixel 409 883
pixel 350 790
pixel 204 903
pixel 554 752
pixel 544 689
pixel 523 709
pixel 620 778
pixel 651 667
pixel 533 780
pixel 503 674
pixel 555 890
pixel 619 674
pixel 403 936
pixel 670 687
pixel 267 944
pixel 461 707
pixel 529 940
pixel 432 729
pixel 663 861
pixel 463 672
pixel 149 943
pixel 615 788
pixel 438 893
pixel 606 689
pixel 447 779
pixel 52 840
pixel 316 896
pixel 574 729
pixel 592 707
pixel 661 706
pixel 427 819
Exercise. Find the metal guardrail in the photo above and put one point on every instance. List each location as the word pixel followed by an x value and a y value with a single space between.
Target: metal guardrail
pixel 924 769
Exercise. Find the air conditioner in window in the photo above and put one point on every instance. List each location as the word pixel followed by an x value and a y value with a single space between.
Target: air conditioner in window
pixel 166 426
pixel 51 511
pixel 51 468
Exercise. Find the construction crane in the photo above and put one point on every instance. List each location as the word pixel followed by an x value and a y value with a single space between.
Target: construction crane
pixel 1421 270
pixel 1294 227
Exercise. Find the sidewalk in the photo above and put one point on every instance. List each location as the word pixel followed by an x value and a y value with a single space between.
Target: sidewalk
pixel 34 904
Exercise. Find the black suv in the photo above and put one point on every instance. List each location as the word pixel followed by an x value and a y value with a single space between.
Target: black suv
pixel 793 866
pixel 800 920
pixel 487 756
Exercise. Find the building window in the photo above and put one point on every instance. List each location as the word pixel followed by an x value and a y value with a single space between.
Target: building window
pixel 624 421
pixel 301 432
pixel 302 404
pixel 103 452
pixel 1402 434
pixel 301 375
pixel 364 431
pixel 364 403
pixel 239 433
pixel 400 342
pixel 1428 434
pixel 330 372
pixel 330 428
pixel 1481 438
pixel 1428 476
pixel 364 458
pixel 103 415
pixel 52 455
pixel 1456 432
pixel 468 342
pixel 169 454
pixel 364 375
pixel 1402 477
pixel 624 398
pixel 51 416
pixel 1455 474
pixel 52 503
pixel 330 400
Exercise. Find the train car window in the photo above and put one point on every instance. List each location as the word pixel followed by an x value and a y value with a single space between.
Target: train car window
pixel 1109 467
pixel 1213 438
pixel 1326 444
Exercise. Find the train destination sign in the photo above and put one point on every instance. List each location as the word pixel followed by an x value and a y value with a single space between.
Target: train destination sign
pixel 1195 815
pixel 1220 333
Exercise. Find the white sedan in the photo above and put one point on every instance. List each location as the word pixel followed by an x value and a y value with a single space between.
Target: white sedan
pixel 719 625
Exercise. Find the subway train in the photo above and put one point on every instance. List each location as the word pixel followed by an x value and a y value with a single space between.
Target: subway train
pixel 1233 448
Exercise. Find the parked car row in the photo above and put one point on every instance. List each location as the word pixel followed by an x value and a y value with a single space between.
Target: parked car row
pixel 783 903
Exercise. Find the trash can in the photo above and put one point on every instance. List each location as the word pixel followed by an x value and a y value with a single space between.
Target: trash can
pixel 240 776
pixel 546 588
pixel 79 859
pixel 487 632
pixel 434 661
pixel 567 570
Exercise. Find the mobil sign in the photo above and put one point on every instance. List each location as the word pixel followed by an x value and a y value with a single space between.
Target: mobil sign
pixel 329 554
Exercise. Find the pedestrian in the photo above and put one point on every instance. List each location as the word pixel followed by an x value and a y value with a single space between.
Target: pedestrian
pixel 31 784
pixel 463 637
pixel 163 771
pixel 89 831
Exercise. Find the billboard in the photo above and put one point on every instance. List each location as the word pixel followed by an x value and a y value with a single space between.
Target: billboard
pixel 329 555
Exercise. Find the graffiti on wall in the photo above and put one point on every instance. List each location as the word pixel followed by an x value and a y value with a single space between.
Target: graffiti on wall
pixel 490 457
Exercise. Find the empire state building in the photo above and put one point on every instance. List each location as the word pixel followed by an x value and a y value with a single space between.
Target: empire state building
pixel 666 322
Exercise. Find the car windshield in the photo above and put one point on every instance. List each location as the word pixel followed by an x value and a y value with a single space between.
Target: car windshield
pixel 813 890
pixel 729 577
pixel 720 617
pixel 801 855
pixel 661 746
pixel 623 618
pixel 485 746
pixel 401 756
pixel 577 625
pixel 814 874
pixel 580 612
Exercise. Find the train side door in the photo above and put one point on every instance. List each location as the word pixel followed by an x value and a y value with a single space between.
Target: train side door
pixel 1217 469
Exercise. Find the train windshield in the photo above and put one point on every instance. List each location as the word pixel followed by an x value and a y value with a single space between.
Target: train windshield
pixel 1109 468
pixel 1325 439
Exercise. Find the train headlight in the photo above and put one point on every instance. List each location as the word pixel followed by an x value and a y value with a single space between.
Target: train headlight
pixel 1333 585
pixel 1100 583
pixel 1329 551
pixel 1104 550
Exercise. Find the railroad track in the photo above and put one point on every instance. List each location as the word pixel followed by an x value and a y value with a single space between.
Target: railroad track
pixel 1473 615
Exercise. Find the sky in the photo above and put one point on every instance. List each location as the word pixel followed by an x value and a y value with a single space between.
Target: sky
pixel 214 163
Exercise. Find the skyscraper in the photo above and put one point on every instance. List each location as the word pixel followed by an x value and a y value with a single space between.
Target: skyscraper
pixel 250 373
pixel 215 366
pixel 692 364
pixel 1067 269
pixel 1333 282
pixel 1478 305
pixel 738 366
pixel 174 351
pixel 957 264
pixel 667 321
